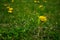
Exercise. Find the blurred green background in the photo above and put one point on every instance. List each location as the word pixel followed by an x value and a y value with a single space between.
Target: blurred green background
pixel 23 24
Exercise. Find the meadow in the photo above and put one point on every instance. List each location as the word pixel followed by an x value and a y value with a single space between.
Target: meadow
pixel 29 20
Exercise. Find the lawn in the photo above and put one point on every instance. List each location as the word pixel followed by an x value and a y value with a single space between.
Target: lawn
pixel 20 20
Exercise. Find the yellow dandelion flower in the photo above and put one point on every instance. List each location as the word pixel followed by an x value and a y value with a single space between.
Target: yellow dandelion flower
pixel 43 18
pixel 40 6
pixel 12 1
pixel 10 11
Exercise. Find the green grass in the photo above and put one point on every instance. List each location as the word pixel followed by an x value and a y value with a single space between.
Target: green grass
pixel 23 23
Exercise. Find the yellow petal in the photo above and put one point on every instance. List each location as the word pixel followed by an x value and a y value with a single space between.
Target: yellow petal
pixel 10 9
